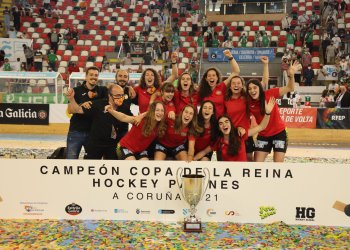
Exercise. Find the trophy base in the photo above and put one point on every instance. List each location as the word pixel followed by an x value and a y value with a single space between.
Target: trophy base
pixel 192 227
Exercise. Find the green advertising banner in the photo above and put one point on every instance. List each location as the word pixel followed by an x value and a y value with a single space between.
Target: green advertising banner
pixel 47 98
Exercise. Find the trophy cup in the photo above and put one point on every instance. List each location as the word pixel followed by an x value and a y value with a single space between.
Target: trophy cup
pixel 192 189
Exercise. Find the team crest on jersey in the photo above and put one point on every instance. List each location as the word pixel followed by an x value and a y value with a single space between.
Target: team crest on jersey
pixel 183 134
pixel 218 92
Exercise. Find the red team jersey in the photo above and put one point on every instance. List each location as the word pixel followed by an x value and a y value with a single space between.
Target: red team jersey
pixel 236 110
pixel 276 124
pixel 181 100
pixel 202 141
pixel 222 146
pixel 169 106
pixel 217 96
pixel 172 139
pixel 135 141
pixel 143 98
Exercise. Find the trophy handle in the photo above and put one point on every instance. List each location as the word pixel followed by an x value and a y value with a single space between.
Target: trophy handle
pixel 179 173
pixel 207 178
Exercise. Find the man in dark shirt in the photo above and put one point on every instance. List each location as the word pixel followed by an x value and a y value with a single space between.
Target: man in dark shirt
pixel 104 131
pixel 80 124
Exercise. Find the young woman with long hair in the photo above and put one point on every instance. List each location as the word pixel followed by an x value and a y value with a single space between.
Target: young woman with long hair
pixel 135 143
pixel 166 96
pixel 211 88
pixel 229 145
pixel 186 93
pixel 206 120
pixel 150 82
pixel 179 132
pixel 274 135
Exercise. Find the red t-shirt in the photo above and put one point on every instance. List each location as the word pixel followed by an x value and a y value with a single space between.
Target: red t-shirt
pixel 236 110
pixel 172 139
pixel 135 141
pixel 217 96
pixel 202 141
pixel 143 98
pixel 222 146
pixel 276 124
pixel 181 100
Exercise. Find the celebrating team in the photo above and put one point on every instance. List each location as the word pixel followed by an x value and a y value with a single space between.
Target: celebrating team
pixel 169 126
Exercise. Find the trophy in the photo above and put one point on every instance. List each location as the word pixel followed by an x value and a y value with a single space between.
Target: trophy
pixel 192 189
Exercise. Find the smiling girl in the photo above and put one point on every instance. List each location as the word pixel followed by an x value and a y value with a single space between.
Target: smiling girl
pixel 178 133
pixel 186 93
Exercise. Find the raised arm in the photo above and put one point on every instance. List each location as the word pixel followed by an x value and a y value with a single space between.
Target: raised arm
pixel 174 70
pixel 265 121
pixel 265 78
pixel 235 70
pixel 291 82
pixel 73 106
pixel 119 115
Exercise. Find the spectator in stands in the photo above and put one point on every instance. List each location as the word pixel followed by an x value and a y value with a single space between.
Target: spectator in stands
pixel 200 43
pixel 54 38
pixel 303 19
pixel 314 20
pixel 257 40
pixel 38 60
pixel 29 54
pixel 331 52
pixel 214 4
pixel 290 40
pixel 75 33
pixel 42 12
pixel 194 19
pixel 2 57
pixel 156 50
pixel 215 42
pixel 56 13
pixel 309 38
pixel 227 44
pixel 52 59
pixel 321 74
pixel 284 67
pixel 175 41
pixel 72 67
pixel 12 33
pixel 82 5
pixel 126 43
pixel 324 98
pixel 343 8
pixel 80 125
pixel 147 22
pixel 46 4
pixel 6 66
pixel 243 40
pixel 336 41
pixel 147 59
pixel 7 19
pixel 265 40
pixel 164 48
pixel 16 66
pixel 306 59
pixel 16 18
pixel 326 41
pixel 127 60
pixel 342 97
pixel 285 23
pixel 309 76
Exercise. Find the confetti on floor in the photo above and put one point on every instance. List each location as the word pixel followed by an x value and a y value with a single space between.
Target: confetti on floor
pixel 103 234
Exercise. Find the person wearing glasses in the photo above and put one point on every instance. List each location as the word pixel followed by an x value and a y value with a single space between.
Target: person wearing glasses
pixel 104 131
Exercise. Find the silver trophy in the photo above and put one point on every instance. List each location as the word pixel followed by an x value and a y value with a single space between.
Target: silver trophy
pixel 192 189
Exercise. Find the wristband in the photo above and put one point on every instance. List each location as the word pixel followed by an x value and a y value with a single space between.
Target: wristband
pixel 231 58
pixel 267 113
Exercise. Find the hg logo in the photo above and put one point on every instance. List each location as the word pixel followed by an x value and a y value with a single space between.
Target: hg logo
pixel 305 213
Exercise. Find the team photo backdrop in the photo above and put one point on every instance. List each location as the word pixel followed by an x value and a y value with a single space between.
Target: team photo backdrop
pixel 308 194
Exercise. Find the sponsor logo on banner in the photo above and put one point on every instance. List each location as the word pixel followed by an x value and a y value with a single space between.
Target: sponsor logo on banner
pixel 139 211
pixel 166 211
pixel 241 54
pixel 231 213
pixel 333 118
pixel 266 211
pixel 185 211
pixel 211 212
pixel 35 114
pixel 305 213
pixel 299 117
pixel 33 210
pixel 73 209
pixel 98 210
pixel 120 211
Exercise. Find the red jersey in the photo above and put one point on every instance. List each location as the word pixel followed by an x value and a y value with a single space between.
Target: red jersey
pixel 217 96
pixel 143 98
pixel 276 124
pixel 222 146
pixel 182 100
pixel 135 141
pixel 202 141
pixel 172 139
pixel 236 110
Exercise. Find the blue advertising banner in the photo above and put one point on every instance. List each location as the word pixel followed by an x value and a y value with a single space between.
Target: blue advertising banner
pixel 334 118
pixel 241 54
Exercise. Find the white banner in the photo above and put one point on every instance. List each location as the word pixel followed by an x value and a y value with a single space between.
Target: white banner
pixel 309 194
pixel 13 48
